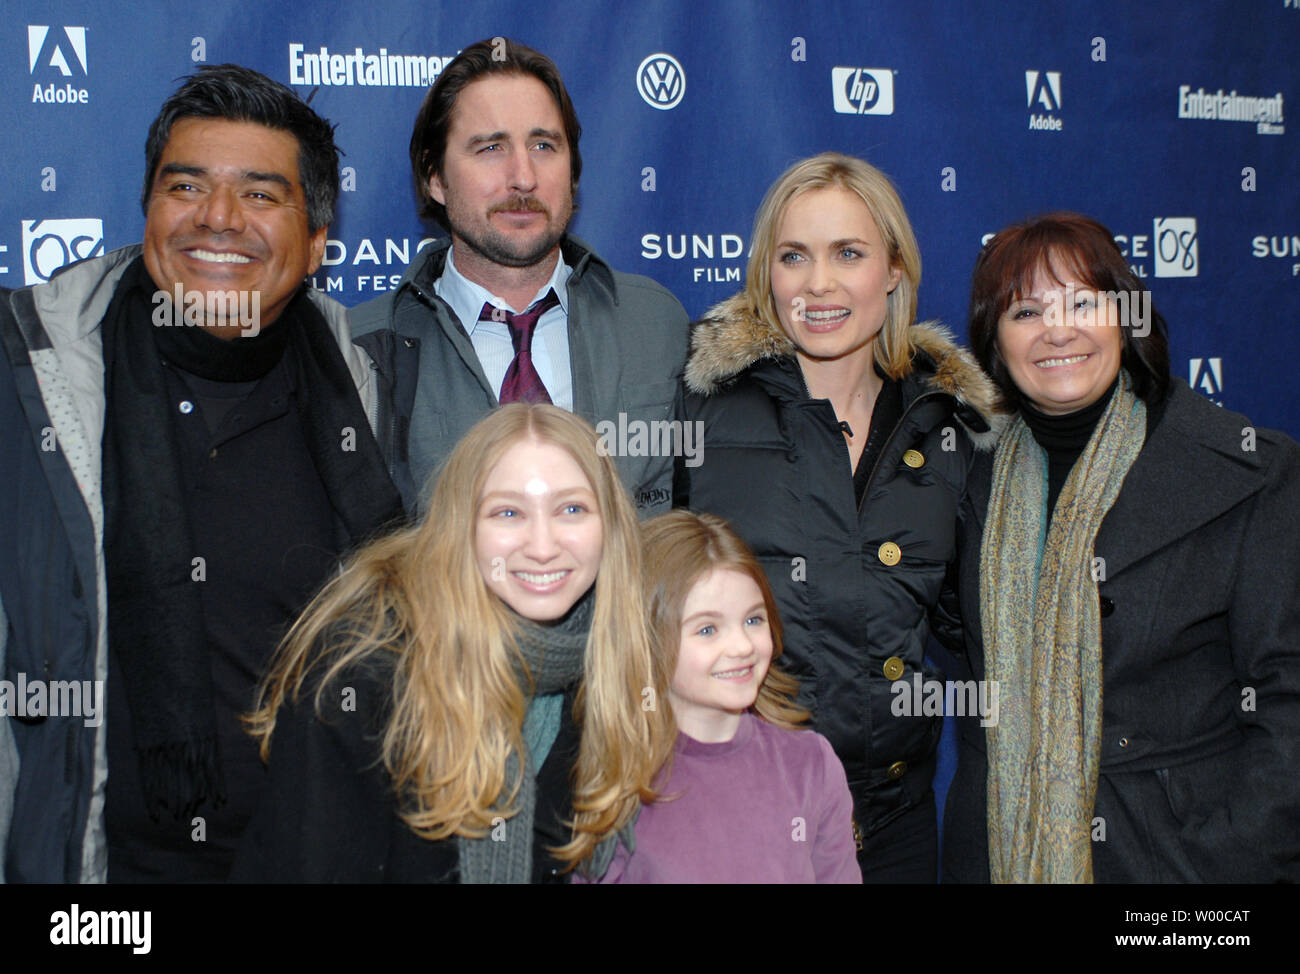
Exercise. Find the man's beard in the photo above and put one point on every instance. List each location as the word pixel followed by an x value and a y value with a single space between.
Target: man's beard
pixel 505 251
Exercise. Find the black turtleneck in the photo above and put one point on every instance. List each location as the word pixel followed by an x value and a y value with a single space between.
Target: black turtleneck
pixel 221 373
pixel 1064 437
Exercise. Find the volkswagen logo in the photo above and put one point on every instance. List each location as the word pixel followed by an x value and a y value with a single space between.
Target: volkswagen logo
pixel 661 81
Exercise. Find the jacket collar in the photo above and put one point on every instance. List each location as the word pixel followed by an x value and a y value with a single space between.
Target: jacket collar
pixel 1191 470
pixel 730 339
pixel 74 301
pixel 72 304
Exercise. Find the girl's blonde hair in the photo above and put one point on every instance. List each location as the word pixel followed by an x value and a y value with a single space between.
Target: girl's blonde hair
pixel 457 706
pixel 681 548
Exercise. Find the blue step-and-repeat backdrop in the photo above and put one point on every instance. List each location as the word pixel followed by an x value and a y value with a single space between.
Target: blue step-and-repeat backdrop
pixel 1166 120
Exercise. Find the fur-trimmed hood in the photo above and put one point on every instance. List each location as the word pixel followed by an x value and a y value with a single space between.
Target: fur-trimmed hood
pixel 730 338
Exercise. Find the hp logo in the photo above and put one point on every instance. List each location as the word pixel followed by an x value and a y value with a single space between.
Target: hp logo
pixel 863 91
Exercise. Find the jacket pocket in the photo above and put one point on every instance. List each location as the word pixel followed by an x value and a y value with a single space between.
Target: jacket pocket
pixel 787 577
pixel 1167 842
pixel 643 438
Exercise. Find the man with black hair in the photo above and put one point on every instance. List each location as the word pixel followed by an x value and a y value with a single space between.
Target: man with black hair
pixel 513 307
pixel 188 428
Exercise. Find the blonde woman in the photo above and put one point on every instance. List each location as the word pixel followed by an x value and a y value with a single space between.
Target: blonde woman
pixel 839 435
pixel 464 703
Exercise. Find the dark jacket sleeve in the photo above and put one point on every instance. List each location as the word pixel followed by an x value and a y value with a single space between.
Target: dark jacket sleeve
pixel 947 624
pixel 1256 835
pixel 327 813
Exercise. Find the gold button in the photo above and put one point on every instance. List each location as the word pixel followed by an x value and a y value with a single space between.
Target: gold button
pixel 893 668
pixel 890 553
pixel 897 770
pixel 913 458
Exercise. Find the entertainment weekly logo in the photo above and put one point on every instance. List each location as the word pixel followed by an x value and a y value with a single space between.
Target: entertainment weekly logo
pixel 1264 113
pixel 56 59
pixel 359 67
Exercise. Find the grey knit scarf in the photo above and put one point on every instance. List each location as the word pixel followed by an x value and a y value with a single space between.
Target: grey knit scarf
pixel 553 656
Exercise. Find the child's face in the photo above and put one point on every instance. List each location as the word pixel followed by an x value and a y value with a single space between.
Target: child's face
pixel 725 650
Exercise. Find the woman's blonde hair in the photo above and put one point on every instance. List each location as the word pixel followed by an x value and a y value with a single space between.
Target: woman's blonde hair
pixel 457 706
pixel 832 169
pixel 681 548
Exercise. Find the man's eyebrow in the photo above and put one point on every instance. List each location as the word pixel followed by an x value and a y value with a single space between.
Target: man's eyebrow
pixel 179 169
pixel 487 137
pixel 268 177
pixel 551 134
pixel 176 169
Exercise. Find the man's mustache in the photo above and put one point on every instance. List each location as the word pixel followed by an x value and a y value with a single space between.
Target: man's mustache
pixel 519 203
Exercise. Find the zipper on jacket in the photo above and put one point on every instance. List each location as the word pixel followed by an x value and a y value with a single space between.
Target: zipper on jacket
pixel 884 450
pixel 803 381
pixel 388 448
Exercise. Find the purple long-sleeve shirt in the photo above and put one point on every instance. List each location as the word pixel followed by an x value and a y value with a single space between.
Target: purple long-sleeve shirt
pixel 768 806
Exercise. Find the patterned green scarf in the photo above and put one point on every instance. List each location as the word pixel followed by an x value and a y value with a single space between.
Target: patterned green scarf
pixel 553 659
pixel 1042 643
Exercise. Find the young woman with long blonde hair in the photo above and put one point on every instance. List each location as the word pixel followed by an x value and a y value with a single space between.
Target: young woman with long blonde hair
pixel 464 702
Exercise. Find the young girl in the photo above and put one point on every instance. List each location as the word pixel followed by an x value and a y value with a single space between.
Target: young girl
pixel 423 718
pixel 746 797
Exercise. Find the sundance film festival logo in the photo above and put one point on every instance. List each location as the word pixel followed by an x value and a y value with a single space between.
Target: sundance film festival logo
pixel 661 81
pixel 863 91
pixel 1283 246
pixel 1176 248
pixel 60 50
pixel 1043 91
pixel 50 244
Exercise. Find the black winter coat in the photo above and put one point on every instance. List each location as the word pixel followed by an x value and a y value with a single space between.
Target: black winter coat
pixel 854 585
pixel 330 813
pixel 1200 621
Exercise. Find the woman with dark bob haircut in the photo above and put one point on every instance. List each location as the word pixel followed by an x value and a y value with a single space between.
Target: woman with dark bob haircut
pixel 1129 579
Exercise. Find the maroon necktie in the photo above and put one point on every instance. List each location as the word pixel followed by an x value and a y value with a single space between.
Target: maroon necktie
pixel 522 383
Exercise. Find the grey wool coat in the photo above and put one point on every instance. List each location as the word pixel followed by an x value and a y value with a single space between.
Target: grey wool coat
pixel 1200 615
pixel 627 343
